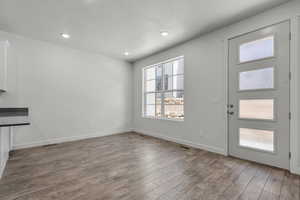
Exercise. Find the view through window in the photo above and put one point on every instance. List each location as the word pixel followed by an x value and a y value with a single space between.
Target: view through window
pixel 164 90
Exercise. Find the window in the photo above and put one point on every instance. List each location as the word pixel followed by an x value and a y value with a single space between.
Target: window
pixel 164 90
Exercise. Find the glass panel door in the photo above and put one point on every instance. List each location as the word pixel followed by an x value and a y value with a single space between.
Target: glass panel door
pixel 258 87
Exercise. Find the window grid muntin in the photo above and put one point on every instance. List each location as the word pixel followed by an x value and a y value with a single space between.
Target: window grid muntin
pixel 163 91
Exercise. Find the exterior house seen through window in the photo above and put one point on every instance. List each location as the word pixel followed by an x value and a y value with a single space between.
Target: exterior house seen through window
pixel 163 94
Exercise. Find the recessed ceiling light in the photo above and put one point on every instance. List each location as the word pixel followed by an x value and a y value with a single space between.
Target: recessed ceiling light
pixel 164 33
pixel 65 35
pixel 126 53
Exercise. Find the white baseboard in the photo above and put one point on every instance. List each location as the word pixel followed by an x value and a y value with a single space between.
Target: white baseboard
pixel 295 170
pixel 3 165
pixel 183 142
pixel 65 139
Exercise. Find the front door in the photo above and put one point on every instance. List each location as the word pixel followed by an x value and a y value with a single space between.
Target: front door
pixel 259 91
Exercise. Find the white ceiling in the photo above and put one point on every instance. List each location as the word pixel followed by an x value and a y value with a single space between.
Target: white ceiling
pixel 115 26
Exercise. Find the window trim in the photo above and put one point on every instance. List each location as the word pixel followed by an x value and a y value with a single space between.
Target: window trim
pixel 162 91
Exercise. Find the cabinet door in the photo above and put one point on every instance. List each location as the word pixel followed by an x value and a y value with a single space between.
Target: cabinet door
pixel 3 64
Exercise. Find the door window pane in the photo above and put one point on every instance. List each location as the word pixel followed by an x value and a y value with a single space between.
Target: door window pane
pixel 258 49
pixel 178 82
pixel 174 111
pixel 257 79
pixel 257 139
pixel 150 98
pixel 257 109
pixel 150 110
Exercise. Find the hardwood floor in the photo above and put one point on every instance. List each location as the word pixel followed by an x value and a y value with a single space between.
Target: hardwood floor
pixel 134 167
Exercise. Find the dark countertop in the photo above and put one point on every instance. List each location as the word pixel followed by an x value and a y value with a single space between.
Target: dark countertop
pixel 14 117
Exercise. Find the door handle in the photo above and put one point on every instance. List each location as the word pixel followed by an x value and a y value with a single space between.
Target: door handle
pixel 230 112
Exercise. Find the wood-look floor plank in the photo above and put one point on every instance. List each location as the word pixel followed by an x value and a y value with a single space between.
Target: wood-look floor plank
pixel 134 167
pixel 273 186
pixel 240 183
pixel 291 187
pixel 256 185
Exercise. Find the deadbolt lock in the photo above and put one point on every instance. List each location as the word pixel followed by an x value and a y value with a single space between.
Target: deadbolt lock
pixel 230 112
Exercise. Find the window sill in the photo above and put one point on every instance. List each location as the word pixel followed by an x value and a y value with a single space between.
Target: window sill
pixel 164 119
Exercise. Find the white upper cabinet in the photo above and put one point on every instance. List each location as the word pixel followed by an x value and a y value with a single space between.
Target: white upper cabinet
pixel 3 65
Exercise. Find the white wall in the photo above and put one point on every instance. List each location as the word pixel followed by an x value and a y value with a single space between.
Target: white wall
pixel 205 123
pixel 70 94
pixel 204 119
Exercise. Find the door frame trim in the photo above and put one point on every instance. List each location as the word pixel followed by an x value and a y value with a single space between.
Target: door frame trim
pixel 294 62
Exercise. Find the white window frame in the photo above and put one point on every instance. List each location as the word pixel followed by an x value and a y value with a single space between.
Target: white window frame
pixel 163 91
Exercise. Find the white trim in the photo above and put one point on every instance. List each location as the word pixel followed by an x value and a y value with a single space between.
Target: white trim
pixel 183 142
pixel 226 95
pixel 294 101
pixel 3 165
pixel 296 170
pixel 66 139
pixel 11 138
pixel 4 151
